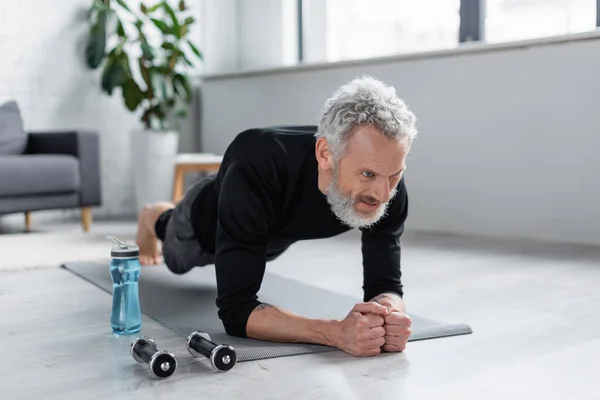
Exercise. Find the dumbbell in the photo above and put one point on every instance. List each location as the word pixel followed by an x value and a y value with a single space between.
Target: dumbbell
pixel 222 356
pixel 162 363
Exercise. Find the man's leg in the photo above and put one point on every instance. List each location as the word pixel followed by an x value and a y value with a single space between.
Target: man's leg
pixel 146 237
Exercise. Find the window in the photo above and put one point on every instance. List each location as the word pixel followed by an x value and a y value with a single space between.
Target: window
pixel 335 30
pixel 371 28
pixel 508 20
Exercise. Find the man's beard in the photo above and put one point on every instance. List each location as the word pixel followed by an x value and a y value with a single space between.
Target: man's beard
pixel 342 206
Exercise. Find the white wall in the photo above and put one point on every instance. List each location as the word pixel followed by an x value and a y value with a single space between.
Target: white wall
pixel 220 35
pixel 242 34
pixel 509 139
pixel 42 68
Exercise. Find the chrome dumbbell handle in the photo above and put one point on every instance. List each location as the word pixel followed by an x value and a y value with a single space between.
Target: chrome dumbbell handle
pixel 162 363
pixel 222 356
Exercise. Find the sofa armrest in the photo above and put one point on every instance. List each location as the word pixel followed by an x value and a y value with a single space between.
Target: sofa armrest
pixel 85 145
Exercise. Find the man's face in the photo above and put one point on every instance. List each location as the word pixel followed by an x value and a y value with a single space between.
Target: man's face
pixel 364 180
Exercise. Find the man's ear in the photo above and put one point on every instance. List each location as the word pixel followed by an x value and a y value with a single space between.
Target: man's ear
pixel 324 156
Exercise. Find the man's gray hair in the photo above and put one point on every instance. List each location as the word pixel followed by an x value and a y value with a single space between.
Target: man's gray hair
pixel 364 101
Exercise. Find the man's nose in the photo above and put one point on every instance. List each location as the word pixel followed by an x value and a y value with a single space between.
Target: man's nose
pixel 383 190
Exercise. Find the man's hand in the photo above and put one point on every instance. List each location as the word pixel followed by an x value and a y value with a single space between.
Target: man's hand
pixel 362 332
pixel 397 324
pixel 397 331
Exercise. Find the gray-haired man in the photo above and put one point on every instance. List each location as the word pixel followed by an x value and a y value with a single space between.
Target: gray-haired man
pixel 283 184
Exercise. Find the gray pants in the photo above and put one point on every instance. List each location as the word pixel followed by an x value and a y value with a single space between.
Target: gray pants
pixel 181 249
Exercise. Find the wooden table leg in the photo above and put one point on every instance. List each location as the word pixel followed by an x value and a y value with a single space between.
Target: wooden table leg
pixel 178 183
pixel 86 218
pixel 28 220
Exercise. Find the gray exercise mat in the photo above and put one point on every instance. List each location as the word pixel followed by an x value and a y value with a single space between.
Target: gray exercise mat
pixel 186 303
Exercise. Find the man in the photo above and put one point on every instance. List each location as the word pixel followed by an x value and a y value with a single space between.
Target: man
pixel 280 185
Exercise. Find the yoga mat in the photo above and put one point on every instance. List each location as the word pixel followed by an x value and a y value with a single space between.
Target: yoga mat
pixel 186 303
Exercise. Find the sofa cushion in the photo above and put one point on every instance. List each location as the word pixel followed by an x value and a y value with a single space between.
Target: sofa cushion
pixel 31 175
pixel 13 138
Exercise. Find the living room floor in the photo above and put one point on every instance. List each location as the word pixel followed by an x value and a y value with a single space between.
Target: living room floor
pixel 533 308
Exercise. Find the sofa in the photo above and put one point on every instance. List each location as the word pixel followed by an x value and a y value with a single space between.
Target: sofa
pixel 47 170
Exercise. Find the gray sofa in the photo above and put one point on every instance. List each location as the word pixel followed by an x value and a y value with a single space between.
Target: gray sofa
pixel 47 170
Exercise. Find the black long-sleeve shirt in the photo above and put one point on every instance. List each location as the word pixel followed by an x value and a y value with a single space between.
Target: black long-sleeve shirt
pixel 264 198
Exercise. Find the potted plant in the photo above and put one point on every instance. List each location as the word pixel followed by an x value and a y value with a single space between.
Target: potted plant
pixel 146 55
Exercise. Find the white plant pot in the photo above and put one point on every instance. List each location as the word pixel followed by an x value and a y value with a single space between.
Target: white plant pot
pixel 153 155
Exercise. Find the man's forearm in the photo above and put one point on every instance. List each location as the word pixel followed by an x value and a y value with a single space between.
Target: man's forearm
pixel 268 322
pixel 391 298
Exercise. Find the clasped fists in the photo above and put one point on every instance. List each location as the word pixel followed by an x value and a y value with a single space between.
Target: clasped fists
pixel 373 327
pixel 362 332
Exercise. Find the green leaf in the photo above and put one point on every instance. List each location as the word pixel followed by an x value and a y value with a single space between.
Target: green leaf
pixel 152 111
pixel 163 86
pixel 132 94
pixel 181 85
pixel 164 28
pixel 169 103
pixel 94 50
pixel 147 51
pixel 113 76
pixel 168 46
pixel 195 49
pixel 161 70
pixel 181 5
pixel 189 21
pixel 155 7
pixel 98 6
pixel 169 10
pixel 120 29
pixel 96 46
pixel 181 113
pixel 124 60
pixel 147 79
pixel 187 60
pixel 124 5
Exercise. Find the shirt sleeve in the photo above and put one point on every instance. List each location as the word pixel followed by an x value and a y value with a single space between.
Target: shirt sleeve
pixel 381 249
pixel 247 210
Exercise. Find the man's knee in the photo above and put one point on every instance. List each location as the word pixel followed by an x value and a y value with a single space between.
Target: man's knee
pixel 160 226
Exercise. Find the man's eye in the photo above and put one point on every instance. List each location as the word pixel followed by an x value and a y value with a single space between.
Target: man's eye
pixel 368 174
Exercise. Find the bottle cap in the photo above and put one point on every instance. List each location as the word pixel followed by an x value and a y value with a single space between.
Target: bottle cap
pixel 121 249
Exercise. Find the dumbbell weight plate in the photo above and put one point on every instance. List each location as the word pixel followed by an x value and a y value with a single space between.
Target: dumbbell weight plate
pixel 163 364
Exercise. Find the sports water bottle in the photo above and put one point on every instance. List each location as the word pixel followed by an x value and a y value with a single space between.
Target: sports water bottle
pixel 126 316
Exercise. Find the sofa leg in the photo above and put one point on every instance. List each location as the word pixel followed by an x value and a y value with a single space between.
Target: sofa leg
pixel 86 218
pixel 28 220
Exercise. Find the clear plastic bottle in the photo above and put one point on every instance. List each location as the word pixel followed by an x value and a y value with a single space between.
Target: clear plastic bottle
pixel 125 268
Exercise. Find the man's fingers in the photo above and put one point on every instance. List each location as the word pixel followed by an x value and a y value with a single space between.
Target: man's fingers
pixel 396 330
pixel 375 333
pixel 398 342
pixel 373 352
pixel 398 318
pixel 376 343
pixel 391 348
pixel 371 308
pixel 374 320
